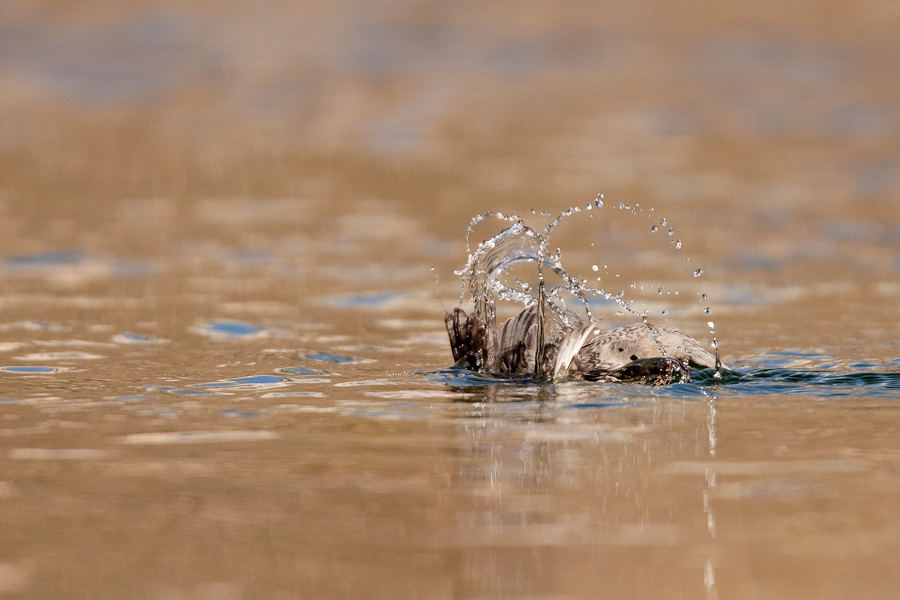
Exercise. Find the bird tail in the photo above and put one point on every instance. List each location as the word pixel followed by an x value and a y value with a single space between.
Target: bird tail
pixel 468 340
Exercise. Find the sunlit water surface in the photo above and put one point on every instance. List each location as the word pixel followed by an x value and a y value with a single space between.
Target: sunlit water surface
pixel 228 242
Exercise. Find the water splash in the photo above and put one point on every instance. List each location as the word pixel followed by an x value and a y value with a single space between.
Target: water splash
pixel 566 302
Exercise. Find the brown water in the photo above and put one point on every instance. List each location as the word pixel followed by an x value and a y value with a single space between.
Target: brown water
pixel 224 371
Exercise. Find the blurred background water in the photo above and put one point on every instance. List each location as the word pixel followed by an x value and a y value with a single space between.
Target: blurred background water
pixel 223 371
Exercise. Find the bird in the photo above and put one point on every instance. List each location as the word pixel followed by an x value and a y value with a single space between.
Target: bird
pixel 642 352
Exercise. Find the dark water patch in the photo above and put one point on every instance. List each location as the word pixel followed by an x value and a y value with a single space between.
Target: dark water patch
pixel 466 379
pixel 600 404
pixel 780 374
pixel 796 374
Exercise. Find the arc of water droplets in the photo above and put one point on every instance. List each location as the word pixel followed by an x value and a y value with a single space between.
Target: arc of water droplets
pixel 553 261
pixel 479 277
pixel 545 258
pixel 482 247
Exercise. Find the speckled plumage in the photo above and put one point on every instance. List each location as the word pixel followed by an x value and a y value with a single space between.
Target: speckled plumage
pixel 613 349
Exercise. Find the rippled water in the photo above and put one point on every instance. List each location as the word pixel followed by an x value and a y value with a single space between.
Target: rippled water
pixel 228 238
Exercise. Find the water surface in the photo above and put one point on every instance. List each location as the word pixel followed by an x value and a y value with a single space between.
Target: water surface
pixel 223 370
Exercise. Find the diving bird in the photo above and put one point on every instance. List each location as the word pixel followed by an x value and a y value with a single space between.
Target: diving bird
pixel 639 353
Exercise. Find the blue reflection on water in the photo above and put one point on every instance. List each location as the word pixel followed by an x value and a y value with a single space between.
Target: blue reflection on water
pixel 230 329
pixel 370 300
pixel 260 381
pixel 30 369
pixel 332 358
pixel 238 414
pixel 26 262
pixel 110 62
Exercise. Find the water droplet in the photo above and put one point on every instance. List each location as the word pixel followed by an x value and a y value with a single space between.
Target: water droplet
pixel 532 211
pixel 660 290
pixel 706 310
pixel 710 324
pixel 678 245
pixel 702 297
pixel 634 286
pixel 663 222
pixel 654 229
pixel 671 232
pixel 698 272
pixel 665 313
pixel 595 268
